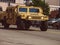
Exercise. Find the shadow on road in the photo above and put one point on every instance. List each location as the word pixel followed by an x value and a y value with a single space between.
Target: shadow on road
pixel 18 29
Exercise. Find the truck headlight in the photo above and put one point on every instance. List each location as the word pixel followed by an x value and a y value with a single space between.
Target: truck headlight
pixel 42 17
pixel 29 17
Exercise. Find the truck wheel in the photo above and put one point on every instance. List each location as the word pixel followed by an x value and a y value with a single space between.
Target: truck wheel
pixel 19 27
pixel 43 26
pixel 27 24
pixel 18 23
pixel 22 24
pixel 5 23
pixel 6 26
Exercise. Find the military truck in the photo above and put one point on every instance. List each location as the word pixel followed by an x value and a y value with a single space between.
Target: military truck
pixel 24 16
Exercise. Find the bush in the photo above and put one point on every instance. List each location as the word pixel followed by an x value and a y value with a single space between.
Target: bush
pixel 40 3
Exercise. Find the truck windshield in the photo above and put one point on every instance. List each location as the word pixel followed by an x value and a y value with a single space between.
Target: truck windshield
pixel 33 10
pixel 23 9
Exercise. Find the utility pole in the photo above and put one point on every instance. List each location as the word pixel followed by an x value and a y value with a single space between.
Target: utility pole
pixel 59 2
pixel 9 3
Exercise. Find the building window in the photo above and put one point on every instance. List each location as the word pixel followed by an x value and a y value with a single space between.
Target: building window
pixel 12 1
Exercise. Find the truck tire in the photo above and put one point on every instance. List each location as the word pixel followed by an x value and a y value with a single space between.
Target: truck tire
pixel 6 26
pixel 43 26
pixel 22 24
pixel 18 23
pixel 27 24
pixel 5 23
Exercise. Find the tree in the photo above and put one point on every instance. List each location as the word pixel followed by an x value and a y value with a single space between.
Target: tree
pixel 40 3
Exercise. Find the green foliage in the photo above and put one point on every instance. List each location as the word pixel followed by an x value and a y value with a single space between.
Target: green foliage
pixel 40 3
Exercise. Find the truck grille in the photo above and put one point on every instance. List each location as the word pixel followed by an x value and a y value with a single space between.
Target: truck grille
pixel 36 17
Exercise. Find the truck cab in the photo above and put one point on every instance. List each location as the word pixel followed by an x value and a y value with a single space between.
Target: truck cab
pixel 32 13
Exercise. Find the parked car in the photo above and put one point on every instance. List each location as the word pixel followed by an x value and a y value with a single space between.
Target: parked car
pixel 51 21
pixel 55 23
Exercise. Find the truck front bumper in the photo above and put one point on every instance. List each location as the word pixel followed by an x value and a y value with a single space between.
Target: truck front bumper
pixel 38 18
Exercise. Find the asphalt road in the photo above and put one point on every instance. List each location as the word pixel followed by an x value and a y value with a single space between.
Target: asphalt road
pixel 29 37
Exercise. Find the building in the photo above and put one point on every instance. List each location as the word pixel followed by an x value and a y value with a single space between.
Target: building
pixel 5 3
pixel 53 2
